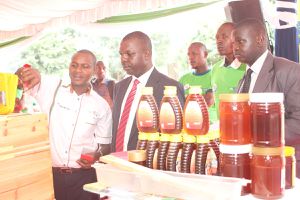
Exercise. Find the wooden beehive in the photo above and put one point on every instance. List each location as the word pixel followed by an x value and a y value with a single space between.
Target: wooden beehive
pixel 25 162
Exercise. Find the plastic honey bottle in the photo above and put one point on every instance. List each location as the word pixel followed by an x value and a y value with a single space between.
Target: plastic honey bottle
pixel 151 150
pixel 188 147
pixel 202 149
pixel 147 112
pixel 146 117
pixel 170 112
pixel 162 151
pixel 195 117
pixel 173 152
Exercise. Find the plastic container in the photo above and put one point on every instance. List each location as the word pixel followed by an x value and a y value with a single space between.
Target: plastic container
pixel 175 147
pixel 195 117
pixel 267 119
pixel 290 167
pixel 268 172
pixel 151 149
pixel 162 151
pixel 8 91
pixel 137 157
pixel 235 162
pixel 168 184
pixel 235 126
pixel 202 149
pixel 142 141
pixel 147 112
pixel 170 112
pixel 188 147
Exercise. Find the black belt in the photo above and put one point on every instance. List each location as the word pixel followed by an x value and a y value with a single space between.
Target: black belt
pixel 68 170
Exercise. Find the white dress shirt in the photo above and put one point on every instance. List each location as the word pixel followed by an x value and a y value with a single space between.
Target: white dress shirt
pixel 143 80
pixel 76 121
pixel 256 67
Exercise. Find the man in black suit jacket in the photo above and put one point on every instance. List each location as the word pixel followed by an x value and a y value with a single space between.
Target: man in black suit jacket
pixel 136 58
pixel 270 74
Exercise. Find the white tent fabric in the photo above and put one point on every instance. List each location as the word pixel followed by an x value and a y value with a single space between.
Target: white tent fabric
pixel 28 17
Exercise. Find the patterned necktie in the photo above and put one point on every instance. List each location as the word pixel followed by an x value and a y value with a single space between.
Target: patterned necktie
pixel 124 117
pixel 247 81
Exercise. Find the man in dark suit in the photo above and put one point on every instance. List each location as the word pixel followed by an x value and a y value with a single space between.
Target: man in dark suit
pixel 270 74
pixel 136 58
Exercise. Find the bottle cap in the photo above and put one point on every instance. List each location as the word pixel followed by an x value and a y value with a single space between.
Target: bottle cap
pixel 153 136
pixel 143 136
pixel 267 151
pixel 189 138
pixel 136 155
pixel 170 91
pixel 289 151
pixel 164 137
pixel 266 97
pixel 176 138
pixel 202 139
pixel 147 91
pixel 234 97
pixel 195 90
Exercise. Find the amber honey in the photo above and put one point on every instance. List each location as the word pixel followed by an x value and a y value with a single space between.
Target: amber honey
pixel 268 172
pixel 267 115
pixel 235 126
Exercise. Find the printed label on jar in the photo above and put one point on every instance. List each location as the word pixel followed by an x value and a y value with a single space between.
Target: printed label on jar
pixel 167 116
pixel 144 115
pixel 193 115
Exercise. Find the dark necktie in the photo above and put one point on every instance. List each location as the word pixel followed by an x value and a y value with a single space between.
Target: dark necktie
pixel 247 81
pixel 124 117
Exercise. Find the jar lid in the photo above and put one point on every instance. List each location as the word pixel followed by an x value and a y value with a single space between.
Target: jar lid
pixel 267 151
pixel 234 97
pixel 202 139
pixel 147 91
pixel 195 90
pixel 235 149
pixel 175 138
pixel 153 136
pixel 170 91
pixel 164 137
pixel 136 155
pixel 213 134
pixel 266 97
pixel 189 138
pixel 143 136
pixel 289 151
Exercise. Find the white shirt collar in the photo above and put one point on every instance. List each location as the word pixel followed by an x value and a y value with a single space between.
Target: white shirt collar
pixel 257 65
pixel 144 78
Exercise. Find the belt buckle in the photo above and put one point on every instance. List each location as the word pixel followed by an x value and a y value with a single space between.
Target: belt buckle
pixel 65 170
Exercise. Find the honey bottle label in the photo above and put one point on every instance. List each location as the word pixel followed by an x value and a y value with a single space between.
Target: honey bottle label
pixel 144 115
pixel 193 115
pixel 167 116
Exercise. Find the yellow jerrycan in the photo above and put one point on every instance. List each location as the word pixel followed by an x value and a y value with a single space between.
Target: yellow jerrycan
pixel 8 91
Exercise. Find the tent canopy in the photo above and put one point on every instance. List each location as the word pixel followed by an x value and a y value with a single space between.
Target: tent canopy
pixel 28 17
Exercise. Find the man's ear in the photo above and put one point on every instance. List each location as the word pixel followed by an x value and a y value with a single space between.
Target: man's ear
pixel 260 39
pixel 147 54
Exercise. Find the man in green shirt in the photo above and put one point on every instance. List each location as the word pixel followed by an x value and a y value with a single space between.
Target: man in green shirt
pixel 200 76
pixel 227 72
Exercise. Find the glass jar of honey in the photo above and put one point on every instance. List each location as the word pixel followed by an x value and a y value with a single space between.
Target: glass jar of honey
pixel 235 162
pixel 268 172
pixel 137 157
pixel 235 126
pixel 267 115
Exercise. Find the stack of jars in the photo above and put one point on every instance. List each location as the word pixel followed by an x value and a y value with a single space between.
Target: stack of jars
pixel 268 162
pixel 235 137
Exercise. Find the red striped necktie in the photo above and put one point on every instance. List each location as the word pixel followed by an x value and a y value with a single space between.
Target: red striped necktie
pixel 125 116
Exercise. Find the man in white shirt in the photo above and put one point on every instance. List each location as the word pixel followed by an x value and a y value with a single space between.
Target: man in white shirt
pixel 78 119
pixel 136 58
pixel 270 74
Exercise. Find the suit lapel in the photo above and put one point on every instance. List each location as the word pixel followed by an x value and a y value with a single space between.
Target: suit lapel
pixel 265 75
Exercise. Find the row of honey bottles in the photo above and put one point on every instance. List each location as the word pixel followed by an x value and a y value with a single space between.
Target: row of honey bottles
pixel 171 119
pixel 170 147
